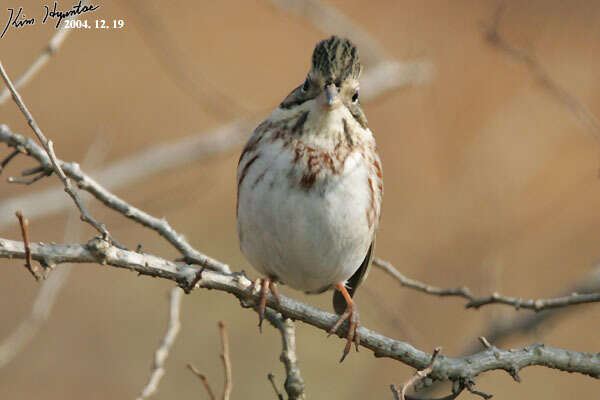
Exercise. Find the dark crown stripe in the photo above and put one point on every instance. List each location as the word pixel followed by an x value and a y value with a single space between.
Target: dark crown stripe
pixel 336 59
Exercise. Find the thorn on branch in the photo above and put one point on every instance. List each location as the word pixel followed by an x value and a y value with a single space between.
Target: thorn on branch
pixel 469 386
pixel 271 379
pixel 29 181
pixel 194 281
pixel 485 342
pixel 24 223
pixel 514 373
pixel 9 158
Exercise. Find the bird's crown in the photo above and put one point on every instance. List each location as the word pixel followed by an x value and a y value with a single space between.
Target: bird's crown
pixel 336 59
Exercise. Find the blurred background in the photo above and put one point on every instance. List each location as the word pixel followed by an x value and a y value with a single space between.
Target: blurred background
pixel 491 181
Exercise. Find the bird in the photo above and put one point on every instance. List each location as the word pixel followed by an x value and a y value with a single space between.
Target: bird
pixel 310 188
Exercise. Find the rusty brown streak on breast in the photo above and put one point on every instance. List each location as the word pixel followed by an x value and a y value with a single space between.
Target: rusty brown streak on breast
pixel 378 169
pixel 326 159
pixel 308 180
pixel 371 209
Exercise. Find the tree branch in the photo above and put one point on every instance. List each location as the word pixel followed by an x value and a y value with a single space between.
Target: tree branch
pixel 101 252
pixel 294 384
pixel 495 298
pixel 85 182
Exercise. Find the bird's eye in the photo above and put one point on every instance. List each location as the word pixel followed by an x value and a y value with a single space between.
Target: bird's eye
pixel 355 97
pixel 305 86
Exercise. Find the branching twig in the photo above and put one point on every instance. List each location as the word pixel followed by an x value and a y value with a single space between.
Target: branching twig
pixel 294 384
pixel 204 381
pixel 418 375
pixel 24 224
pixel 495 298
pixel 161 354
pixel 101 252
pixel 225 358
pixel 49 148
pixel 85 182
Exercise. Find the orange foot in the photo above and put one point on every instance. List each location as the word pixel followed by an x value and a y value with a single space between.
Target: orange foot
pixel 352 314
pixel 266 284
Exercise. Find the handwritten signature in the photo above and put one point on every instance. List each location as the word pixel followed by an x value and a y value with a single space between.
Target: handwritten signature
pixel 18 19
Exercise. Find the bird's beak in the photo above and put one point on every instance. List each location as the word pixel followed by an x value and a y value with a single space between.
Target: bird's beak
pixel 331 93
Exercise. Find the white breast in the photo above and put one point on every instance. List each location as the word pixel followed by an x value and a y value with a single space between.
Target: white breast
pixel 308 239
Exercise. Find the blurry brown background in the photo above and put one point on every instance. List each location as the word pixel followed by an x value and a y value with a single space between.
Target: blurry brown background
pixel 490 182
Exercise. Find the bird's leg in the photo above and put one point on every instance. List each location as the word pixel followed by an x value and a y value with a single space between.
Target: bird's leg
pixel 266 284
pixel 273 289
pixel 352 314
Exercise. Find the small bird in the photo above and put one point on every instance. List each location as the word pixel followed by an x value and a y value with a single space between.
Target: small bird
pixel 310 188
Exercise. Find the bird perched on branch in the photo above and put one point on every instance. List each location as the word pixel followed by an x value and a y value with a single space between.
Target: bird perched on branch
pixel 310 188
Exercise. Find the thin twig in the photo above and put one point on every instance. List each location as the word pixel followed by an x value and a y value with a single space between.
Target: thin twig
pixel 495 298
pixel 29 181
pixel 225 358
pixel 9 158
pixel 419 374
pixel 49 148
pixel 161 354
pixel 100 252
pixel 294 384
pixel 204 381
pixel 271 379
pixel 24 224
pixel 226 361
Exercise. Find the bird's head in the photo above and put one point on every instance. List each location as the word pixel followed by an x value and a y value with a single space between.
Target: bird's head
pixel 333 78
